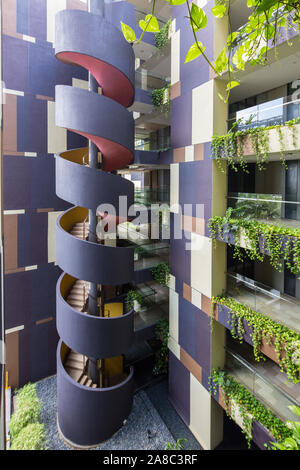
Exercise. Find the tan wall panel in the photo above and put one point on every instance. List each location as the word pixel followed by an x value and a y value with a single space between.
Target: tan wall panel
pixel 12 358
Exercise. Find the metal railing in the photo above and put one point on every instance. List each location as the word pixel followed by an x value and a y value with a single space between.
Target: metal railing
pixel 260 386
pixel 270 113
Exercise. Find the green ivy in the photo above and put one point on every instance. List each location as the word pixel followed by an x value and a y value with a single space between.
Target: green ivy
pixel 133 295
pixel 161 274
pixel 292 442
pixel 285 341
pixel 162 355
pixel 231 145
pixel 161 97
pixel 162 37
pixel 249 407
pixel 272 236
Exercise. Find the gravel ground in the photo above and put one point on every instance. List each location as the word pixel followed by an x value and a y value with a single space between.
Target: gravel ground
pixel 133 436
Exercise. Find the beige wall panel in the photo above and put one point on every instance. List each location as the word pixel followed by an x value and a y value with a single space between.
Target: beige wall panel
pixel 201 264
pixel 173 314
pixel 57 136
pixel 84 84
pixel 175 57
pixel 53 6
pixel 200 422
pixel 206 416
pixel 174 347
pixel 174 185
pixel 202 112
pixel 52 216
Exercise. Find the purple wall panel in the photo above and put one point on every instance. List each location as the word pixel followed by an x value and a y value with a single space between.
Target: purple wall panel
pixel 15 63
pixel 33 239
pixel 194 332
pixel 32 124
pixel 195 184
pixel 32 18
pixel 17 299
pixel 180 260
pixel 179 387
pixel 181 121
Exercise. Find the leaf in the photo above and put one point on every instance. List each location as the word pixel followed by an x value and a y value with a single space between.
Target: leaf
pixel 219 11
pixel 265 5
pixel 150 24
pixel 232 84
pixel 295 409
pixel 176 2
pixel 128 33
pixel 198 18
pixel 194 51
pixel 221 62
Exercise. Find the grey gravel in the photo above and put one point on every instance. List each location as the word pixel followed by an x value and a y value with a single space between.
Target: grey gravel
pixel 132 436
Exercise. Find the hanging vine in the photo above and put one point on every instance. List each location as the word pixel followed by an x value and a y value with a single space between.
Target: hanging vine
pixel 249 407
pixel 279 243
pixel 161 274
pixel 231 146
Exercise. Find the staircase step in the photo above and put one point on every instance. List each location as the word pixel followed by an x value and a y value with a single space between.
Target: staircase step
pixel 74 373
pixel 74 364
pixel 89 383
pixel 84 379
pixel 94 386
pixel 73 356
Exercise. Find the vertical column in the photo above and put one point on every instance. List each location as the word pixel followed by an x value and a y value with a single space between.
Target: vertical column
pixel 199 188
pixel 95 7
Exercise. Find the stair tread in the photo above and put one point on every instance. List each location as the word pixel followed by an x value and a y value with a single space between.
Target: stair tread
pixel 74 364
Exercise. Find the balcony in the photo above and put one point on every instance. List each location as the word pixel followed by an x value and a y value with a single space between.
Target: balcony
pixel 271 113
pixel 265 208
pixel 266 300
pixel 148 196
pixel 154 305
pixel 263 380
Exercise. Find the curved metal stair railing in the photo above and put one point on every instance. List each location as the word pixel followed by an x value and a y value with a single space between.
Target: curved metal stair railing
pixel 88 414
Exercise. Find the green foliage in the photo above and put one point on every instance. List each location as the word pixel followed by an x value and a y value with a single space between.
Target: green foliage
pixel 284 340
pixel 249 407
pixel 161 97
pixel 194 51
pixel 293 442
pixel 28 410
pixel 162 37
pixel 161 274
pixel 25 430
pixel 231 145
pixel 162 355
pixel 179 444
pixel 128 32
pixel 31 437
pixel 269 21
pixel 281 243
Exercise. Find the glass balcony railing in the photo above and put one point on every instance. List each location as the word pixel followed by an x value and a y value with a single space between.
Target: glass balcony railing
pixel 271 113
pixel 153 146
pixel 264 381
pixel 145 80
pixel 152 196
pixel 266 300
pixel 154 305
pixel 266 208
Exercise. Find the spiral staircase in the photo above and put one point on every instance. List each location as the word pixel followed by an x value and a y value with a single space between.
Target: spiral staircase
pixel 88 412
